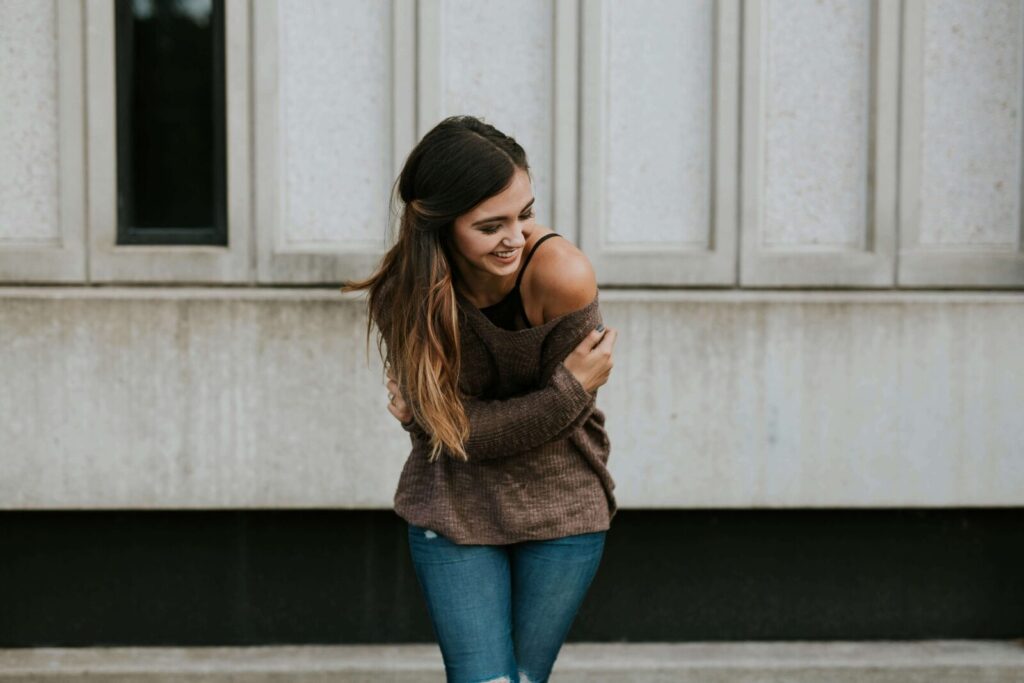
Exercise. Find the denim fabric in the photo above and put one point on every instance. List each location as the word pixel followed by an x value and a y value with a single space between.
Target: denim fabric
pixel 503 610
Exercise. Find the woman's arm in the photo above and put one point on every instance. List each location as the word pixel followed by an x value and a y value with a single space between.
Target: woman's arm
pixel 503 427
pixel 507 426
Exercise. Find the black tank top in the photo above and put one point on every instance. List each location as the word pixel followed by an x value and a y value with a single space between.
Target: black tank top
pixel 506 312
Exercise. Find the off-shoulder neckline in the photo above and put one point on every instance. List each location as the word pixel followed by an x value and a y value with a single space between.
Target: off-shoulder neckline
pixel 475 312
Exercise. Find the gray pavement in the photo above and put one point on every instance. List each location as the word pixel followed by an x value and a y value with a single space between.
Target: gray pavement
pixel 934 661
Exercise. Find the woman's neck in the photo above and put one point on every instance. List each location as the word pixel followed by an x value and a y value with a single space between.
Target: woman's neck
pixel 484 295
pixel 484 291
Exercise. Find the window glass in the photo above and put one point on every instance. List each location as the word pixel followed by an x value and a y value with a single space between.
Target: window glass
pixel 170 122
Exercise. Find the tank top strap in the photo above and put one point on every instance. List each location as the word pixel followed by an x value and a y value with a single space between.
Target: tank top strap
pixel 529 256
pixel 519 295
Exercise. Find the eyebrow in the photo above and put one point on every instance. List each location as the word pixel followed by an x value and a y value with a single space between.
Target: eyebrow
pixel 498 218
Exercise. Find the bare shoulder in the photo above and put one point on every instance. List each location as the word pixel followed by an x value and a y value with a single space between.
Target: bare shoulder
pixel 562 278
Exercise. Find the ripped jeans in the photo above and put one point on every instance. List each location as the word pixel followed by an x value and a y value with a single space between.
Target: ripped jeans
pixel 502 612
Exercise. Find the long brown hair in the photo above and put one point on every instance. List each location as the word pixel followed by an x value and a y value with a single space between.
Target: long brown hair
pixel 461 162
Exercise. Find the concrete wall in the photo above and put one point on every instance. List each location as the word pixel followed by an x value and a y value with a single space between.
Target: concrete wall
pixel 785 203
pixel 149 398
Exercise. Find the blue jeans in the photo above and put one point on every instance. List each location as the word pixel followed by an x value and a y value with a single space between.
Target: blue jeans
pixel 502 612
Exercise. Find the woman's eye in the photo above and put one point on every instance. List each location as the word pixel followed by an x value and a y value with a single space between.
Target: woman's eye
pixel 491 229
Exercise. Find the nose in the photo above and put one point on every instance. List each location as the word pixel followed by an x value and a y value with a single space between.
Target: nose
pixel 521 236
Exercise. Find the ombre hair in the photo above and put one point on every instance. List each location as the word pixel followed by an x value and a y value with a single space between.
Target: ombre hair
pixel 460 163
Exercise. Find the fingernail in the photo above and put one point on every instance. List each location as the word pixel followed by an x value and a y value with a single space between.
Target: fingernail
pixel 600 326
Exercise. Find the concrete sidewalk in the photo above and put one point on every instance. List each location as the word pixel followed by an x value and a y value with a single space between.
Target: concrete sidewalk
pixel 935 661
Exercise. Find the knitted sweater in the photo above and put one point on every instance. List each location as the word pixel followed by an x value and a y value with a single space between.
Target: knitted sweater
pixel 537 445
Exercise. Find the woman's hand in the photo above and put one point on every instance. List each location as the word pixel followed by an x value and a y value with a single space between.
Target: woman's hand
pixel 397 405
pixel 591 361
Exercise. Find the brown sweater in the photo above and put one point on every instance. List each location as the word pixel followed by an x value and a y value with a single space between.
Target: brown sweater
pixel 537 445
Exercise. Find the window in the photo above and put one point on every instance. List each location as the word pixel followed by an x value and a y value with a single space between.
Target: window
pixel 168 134
pixel 171 171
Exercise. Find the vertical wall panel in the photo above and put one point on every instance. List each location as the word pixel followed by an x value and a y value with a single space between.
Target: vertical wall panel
pixel 962 218
pixel 819 142
pixel 334 113
pixel 970 162
pixel 41 141
pixel 495 60
pixel 660 102
pixel 659 136
pixel 335 99
pixel 28 125
pixel 817 94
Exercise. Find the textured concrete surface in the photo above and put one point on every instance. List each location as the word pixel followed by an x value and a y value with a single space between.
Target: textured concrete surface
pixel 767 662
pixel 225 398
pixel 233 398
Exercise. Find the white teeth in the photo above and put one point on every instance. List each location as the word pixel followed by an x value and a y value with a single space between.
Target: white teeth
pixel 504 254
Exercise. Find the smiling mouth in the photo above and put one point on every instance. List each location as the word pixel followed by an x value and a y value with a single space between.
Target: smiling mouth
pixel 504 254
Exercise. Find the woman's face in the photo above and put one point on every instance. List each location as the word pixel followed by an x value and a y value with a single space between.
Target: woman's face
pixel 499 224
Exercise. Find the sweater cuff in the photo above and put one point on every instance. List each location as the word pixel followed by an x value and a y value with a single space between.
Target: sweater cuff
pixel 574 394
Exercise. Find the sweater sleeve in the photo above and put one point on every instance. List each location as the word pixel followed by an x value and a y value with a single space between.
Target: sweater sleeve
pixel 507 426
pixel 502 427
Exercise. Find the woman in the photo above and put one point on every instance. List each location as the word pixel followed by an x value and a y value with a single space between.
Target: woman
pixel 493 370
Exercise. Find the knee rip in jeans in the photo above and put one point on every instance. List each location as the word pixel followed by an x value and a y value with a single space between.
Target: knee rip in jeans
pixel 523 678
pixel 430 534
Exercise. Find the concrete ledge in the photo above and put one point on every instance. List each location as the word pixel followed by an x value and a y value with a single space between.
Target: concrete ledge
pixel 937 661
pixel 238 398
pixel 610 294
